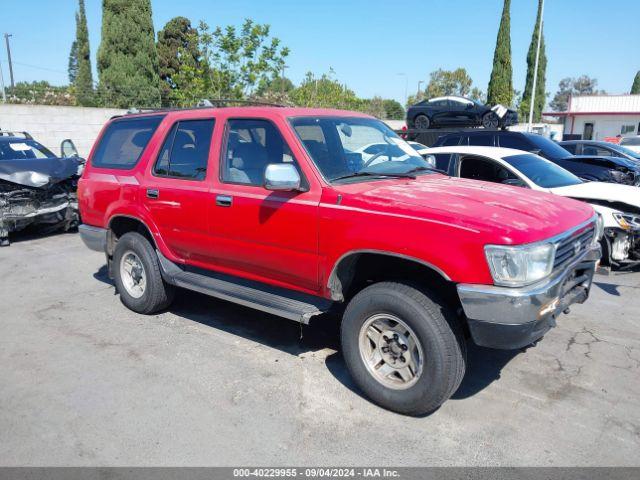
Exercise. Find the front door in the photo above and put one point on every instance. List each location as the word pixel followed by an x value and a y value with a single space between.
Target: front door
pixel 177 190
pixel 588 131
pixel 257 233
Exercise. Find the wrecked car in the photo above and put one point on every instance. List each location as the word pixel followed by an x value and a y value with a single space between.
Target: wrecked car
pixel 36 187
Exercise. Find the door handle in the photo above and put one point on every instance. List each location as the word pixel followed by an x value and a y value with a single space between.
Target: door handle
pixel 224 200
pixel 153 193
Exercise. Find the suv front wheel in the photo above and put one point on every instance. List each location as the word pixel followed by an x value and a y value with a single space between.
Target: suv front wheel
pixel 137 275
pixel 403 347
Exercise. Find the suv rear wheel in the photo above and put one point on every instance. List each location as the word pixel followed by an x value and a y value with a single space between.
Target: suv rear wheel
pixel 137 275
pixel 422 122
pixel 403 347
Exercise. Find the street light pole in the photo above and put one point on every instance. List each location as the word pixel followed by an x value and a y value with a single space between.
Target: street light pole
pixel 420 82
pixel 6 40
pixel 535 71
pixel 4 94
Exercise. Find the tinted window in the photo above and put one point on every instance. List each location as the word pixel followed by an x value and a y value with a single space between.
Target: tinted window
pixel 443 160
pixel 571 148
pixel 124 141
pixel 22 149
pixel 593 150
pixel 185 151
pixel 542 172
pixel 478 168
pixel 514 141
pixel 548 148
pixel 481 140
pixel 634 141
pixel 251 146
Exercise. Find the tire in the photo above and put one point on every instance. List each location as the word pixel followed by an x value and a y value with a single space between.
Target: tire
pixel 421 122
pixel 490 120
pixel 435 329
pixel 155 294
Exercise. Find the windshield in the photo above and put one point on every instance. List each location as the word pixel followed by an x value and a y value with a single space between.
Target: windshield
pixel 549 148
pixel 624 150
pixel 635 141
pixel 20 149
pixel 543 173
pixel 351 146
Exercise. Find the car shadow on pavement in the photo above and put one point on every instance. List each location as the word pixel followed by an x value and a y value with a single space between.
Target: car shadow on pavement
pixel 484 365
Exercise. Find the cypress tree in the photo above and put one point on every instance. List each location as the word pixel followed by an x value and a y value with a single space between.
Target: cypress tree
pixel 127 57
pixel 72 69
pixel 540 98
pixel 84 78
pixel 635 88
pixel 500 88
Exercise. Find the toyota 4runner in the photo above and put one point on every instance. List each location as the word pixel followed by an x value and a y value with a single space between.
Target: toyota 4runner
pixel 298 212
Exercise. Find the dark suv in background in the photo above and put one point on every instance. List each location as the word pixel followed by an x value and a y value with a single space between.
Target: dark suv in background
pixel 588 167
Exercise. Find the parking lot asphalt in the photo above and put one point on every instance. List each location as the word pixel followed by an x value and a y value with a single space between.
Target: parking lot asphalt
pixel 84 381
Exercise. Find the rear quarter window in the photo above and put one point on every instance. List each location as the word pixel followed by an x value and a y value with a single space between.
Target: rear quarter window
pixel 123 142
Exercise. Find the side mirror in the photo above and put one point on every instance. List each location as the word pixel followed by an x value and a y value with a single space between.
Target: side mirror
pixel 281 177
pixel 469 106
pixel 68 149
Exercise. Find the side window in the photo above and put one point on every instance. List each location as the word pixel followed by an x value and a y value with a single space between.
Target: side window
pixel 481 140
pixel 443 160
pixel 596 151
pixel 478 168
pixel 251 146
pixel 123 142
pixel 514 141
pixel 185 151
pixel 569 147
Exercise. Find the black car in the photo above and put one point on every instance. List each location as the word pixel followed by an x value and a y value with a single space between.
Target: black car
pixel 588 167
pixel 455 111
pixel 593 147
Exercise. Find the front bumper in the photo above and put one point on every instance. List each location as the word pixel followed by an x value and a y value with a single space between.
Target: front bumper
pixel 93 237
pixel 511 318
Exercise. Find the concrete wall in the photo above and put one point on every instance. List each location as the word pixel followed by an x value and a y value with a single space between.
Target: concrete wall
pixel 49 125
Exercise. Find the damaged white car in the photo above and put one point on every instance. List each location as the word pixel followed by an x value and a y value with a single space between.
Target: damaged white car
pixel 619 205
pixel 36 188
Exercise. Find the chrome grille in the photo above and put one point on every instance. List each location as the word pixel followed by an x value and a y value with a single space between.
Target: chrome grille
pixel 574 245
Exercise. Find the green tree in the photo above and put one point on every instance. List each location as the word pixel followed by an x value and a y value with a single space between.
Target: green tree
pixel 72 68
pixel 541 94
pixel 500 88
pixel 583 85
pixel 393 110
pixel 276 85
pixel 241 60
pixel 635 88
pixel 127 57
pixel 325 92
pixel 179 61
pixel 40 93
pixel 448 82
pixel 83 79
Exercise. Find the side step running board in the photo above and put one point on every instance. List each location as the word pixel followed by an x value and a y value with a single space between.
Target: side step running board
pixel 296 306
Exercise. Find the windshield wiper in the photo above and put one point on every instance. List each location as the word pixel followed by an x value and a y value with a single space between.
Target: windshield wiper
pixel 427 169
pixel 375 174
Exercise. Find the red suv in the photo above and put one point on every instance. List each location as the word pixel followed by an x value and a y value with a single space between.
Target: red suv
pixel 298 212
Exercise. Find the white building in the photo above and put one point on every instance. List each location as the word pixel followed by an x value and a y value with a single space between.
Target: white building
pixel 596 117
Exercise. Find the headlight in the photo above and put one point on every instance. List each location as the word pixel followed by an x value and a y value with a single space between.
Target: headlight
pixel 627 221
pixel 520 265
pixel 599 229
pixel 430 159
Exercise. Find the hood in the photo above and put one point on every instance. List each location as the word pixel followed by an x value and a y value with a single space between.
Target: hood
pixel 38 172
pixel 513 214
pixel 613 193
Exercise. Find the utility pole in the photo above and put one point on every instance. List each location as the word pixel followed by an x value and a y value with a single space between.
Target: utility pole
pixel 6 40
pixel 4 94
pixel 420 82
pixel 535 71
pixel 282 81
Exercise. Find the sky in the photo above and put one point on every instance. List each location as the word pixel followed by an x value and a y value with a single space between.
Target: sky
pixel 376 47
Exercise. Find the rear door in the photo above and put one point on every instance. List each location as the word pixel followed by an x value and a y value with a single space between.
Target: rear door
pixel 258 233
pixel 176 189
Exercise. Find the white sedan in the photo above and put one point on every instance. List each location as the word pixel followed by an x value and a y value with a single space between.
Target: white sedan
pixel 619 205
